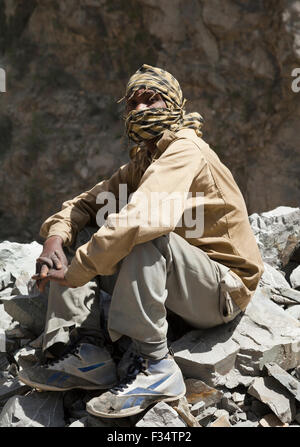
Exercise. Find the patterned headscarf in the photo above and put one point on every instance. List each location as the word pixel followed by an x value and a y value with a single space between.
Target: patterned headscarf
pixel 148 124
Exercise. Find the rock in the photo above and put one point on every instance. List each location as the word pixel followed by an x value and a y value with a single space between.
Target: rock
pixel 28 310
pixel 197 408
pixel 273 278
pixel 79 423
pixel 238 398
pixel 198 391
pixel 288 381
pixel 18 261
pixel 264 333
pixel 294 311
pixel 277 233
pixel 161 415
pixel 259 408
pixel 295 278
pixel 206 355
pixel 222 421
pixel 181 406
pixel 273 394
pixel 33 410
pixel 246 424
pixel 271 420
pixel 206 416
pixel 11 387
pixel 292 295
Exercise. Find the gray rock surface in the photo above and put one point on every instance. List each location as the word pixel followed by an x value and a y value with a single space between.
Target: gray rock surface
pixel 295 278
pixel 277 234
pixel 161 415
pixel 227 369
pixel 270 392
pixel 33 410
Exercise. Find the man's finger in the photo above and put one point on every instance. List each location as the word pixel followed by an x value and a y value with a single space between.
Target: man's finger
pixel 44 271
pixel 44 260
pixel 57 262
pixel 42 284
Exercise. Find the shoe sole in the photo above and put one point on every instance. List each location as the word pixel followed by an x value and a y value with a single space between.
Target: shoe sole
pixel 133 411
pixel 43 387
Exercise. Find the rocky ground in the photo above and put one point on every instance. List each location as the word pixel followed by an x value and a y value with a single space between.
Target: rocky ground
pixel 67 64
pixel 243 374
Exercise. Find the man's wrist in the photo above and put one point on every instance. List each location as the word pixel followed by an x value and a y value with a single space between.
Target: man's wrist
pixel 55 239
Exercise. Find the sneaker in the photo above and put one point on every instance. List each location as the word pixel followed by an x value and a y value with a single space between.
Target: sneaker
pixel 147 381
pixel 86 366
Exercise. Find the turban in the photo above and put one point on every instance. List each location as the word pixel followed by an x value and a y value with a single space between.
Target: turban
pixel 151 123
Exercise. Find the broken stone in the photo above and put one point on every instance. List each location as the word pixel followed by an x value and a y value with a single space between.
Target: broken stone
pixel 294 311
pixel 33 410
pixel 273 394
pixel 222 421
pixel 18 260
pixel 295 278
pixel 271 420
pixel 94 421
pixel 259 409
pixel 246 424
pixel 293 296
pixel 206 416
pixel 220 413
pixel 28 310
pixel 181 406
pixel 5 279
pixel 264 333
pixel 206 355
pixel 277 233
pixel 197 408
pixel 238 398
pixel 161 415
pixel 11 387
pixel 273 278
pixel 288 381
pixel 83 422
pixel 27 357
pixel 198 391
pixel 228 405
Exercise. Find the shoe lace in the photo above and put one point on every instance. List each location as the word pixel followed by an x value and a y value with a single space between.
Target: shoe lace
pixel 137 366
pixel 72 351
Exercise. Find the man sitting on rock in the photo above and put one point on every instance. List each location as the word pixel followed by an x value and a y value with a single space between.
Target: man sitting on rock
pixel 148 262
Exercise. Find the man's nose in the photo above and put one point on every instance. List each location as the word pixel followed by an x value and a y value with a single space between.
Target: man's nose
pixel 141 106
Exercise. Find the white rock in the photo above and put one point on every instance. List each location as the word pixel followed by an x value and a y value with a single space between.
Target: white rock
pixel 277 233
pixel 271 393
pixel 34 410
pixel 161 415
pixel 273 278
pixel 295 278
pixel 294 311
pixel 264 333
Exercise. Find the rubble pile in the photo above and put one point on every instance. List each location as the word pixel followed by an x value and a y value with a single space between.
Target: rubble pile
pixel 242 374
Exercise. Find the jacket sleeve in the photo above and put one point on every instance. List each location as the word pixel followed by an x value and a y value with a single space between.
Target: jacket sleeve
pixel 173 172
pixel 82 210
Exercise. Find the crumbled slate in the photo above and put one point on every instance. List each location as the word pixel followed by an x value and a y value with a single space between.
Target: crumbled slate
pixel 277 234
pixel 273 394
pixel 288 381
pixel 295 278
pixel 161 415
pixel 34 410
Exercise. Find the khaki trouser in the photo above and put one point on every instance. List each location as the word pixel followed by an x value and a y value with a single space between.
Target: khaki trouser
pixel 166 272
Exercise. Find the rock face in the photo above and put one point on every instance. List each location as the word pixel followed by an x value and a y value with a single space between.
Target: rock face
pixel 67 64
pixel 241 374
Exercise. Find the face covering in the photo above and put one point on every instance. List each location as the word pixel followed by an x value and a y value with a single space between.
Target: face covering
pixel 151 123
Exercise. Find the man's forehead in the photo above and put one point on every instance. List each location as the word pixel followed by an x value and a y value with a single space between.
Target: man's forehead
pixel 141 92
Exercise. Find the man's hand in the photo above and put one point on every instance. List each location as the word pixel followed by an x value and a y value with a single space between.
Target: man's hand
pixel 52 275
pixel 51 264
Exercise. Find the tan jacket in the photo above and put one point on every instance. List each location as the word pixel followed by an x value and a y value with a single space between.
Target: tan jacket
pixel 183 162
